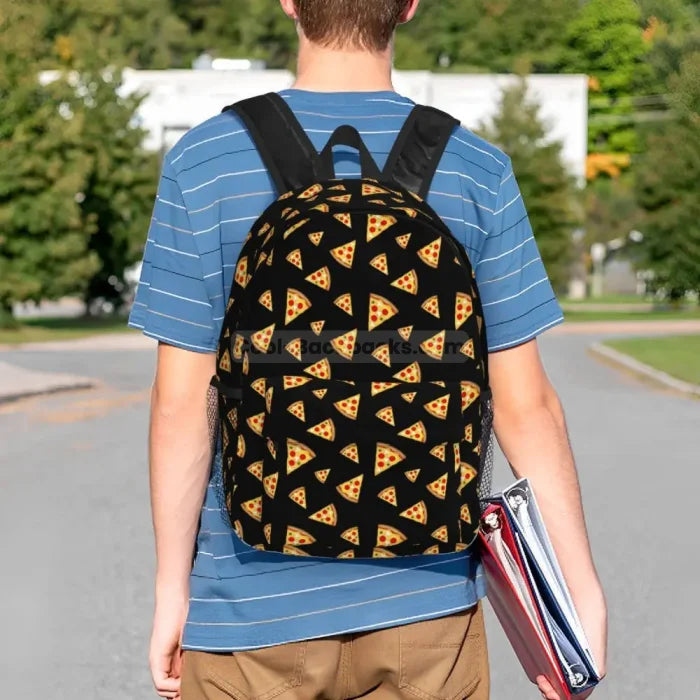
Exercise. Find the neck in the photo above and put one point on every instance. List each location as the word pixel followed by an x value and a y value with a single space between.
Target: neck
pixel 321 69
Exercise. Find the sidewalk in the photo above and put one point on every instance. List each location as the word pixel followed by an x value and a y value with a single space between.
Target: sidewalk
pixel 18 383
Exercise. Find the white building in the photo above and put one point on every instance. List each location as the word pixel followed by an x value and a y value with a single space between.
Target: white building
pixel 180 99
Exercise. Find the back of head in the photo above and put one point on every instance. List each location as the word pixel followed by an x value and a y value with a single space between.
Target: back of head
pixel 361 24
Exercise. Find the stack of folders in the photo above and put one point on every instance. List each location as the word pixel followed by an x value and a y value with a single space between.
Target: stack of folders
pixel 527 591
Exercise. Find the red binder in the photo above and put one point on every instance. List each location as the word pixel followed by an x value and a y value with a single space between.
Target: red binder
pixel 515 604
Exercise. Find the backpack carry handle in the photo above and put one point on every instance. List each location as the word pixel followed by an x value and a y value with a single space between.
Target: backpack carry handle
pixel 347 136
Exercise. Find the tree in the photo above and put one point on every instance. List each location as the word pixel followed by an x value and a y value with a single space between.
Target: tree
pixel 44 242
pixel 667 178
pixel 606 41
pixel 120 185
pixel 549 192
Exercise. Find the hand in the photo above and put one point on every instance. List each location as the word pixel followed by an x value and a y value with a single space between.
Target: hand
pixel 165 657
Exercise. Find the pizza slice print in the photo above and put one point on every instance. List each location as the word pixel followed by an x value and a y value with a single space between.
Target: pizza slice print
pixel 386 457
pixel 388 536
pixel 324 430
pixel 407 283
pixel 381 553
pixel 415 432
pixel 293 347
pixel 316 237
pixel 341 198
pixel 298 538
pixel 294 258
pixel 430 254
pixel 438 407
pixel 351 452
pixel 433 549
pixel 291 382
pixel 298 496
pixel 297 304
pixel 403 240
pixel 467 474
pixel 440 534
pixel 417 512
pixel 253 508
pixel 406 332
pixel 350 489
pixel 383 354
pixel 371 190
pixel 256 422
pixel 380 387
pixel 225 362
pixel 439 451
pixel 259 386
pixel 410 374
pixel 298 455
pixel 468 350
pixel 317 327
pixel 262 339
pixel 241 275
pixel 380 263
pixel 311 192
pixel 464 308
pixel 380 311
pixel 322 475
pixel 389 495
pixel 378 224
pixel 266 300
pixel 349 407
pixel 321 278
pixel 439 487
pixel 386 415
pixel 434 347
pixel 412 475
pixel 470 393
pixel 298 411
pixel 432 306
pixel 409 396
pixel 352 535
pixel 347 554
pixel 465 514
pixel 345 254
pixel 327 516
pixel 256 469
pixel 344 303
pixel 320 369
pixel 345 344
pixel 267 531
pixel 344 219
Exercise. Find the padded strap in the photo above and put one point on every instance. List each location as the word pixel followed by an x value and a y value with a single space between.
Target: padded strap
pixel 286 150
pixel 416 155
pixel 348 136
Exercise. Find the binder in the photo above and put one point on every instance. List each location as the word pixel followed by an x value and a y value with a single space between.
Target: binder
pixel 529 595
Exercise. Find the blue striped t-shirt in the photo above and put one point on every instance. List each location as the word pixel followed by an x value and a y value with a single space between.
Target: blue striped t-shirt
pixel 213 188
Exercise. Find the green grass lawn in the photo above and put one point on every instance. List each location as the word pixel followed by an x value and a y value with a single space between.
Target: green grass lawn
pixel 610 299
pixel 678 356
pixel 693 314
pixel 43 329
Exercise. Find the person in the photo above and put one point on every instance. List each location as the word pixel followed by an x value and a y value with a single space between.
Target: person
pixel 234 622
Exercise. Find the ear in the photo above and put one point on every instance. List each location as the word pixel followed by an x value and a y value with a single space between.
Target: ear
pixel 290 9
pixel 409 11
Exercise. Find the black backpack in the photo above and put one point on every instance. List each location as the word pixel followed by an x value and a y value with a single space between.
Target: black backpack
pixel 352 364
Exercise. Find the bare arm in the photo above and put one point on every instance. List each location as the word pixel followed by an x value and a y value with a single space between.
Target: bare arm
pixel 531 430
pixel 180 459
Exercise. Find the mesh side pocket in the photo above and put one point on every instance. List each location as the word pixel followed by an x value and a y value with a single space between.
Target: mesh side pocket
pixel 213 417
pixel 485 477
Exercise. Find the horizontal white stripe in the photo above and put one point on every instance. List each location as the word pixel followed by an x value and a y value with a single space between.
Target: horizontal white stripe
pixel 512 201
pixel 213 274
pixel 340 584
pixel 354 116
pixel 225 175
pixel 527 337
pixel 175 250
pixel 466 223
pixel 508 252
pixel 505 179
pixel 170 226
pixel 177 296
pixel 145 284
pixel 233 196
pixel 139 303
pixel 520 293
pixel 209 140
pixel 179 320
pixel 510 274
pixel 174 341
pixel 362 133
pixel 464 199
pixel 349 630
pixel 171 204
pixel 136 325
pixel 311 613
pixel 393 102
pixel 480 150
pixel 218 318
pixel 467 177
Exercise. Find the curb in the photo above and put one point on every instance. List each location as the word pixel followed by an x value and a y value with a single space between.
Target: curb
pixel 639 368
pixel 59 388
pixel 19 383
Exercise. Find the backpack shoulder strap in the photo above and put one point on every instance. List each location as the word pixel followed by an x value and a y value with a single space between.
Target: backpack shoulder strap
pixel 416 154
pixel 282 143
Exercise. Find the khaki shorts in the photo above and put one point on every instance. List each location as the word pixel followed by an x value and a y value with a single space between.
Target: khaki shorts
pixel 442 659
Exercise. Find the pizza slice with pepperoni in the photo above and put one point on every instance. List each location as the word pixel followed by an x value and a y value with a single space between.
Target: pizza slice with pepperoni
pixel 351 489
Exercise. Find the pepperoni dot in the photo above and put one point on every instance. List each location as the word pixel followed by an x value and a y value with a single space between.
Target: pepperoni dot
pixel 394 540
pixel 382 538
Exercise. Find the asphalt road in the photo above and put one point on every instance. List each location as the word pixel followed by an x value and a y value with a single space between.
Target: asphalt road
pixel 75 581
